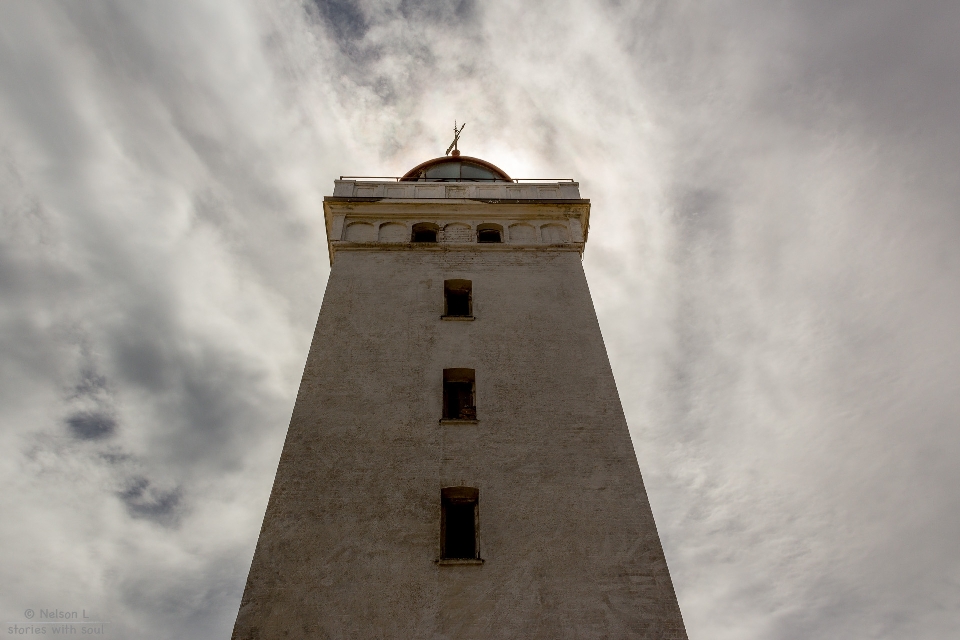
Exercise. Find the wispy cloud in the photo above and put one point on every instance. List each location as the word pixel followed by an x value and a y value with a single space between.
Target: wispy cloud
pixel 772 257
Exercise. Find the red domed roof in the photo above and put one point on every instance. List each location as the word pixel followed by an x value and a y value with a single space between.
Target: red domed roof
pixel 457 169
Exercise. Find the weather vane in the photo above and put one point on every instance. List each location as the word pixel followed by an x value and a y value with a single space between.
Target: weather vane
pixel 456 137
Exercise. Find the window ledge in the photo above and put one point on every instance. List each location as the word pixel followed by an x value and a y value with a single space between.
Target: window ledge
pixel 460 318
pixel 459 562
pixel 456 422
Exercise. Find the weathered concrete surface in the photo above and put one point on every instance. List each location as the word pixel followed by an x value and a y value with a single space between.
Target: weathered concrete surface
pixel 351 535
pixel 481 190
pixel 380 224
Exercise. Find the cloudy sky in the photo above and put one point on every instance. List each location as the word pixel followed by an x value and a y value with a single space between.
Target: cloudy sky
pixel 773 257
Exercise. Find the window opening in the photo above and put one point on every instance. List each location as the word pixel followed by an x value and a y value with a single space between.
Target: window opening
pixel 457 171
pixel 489 233
pixel 458 522
pixel 458 394
pixel 424 232
pixel 443 172
pixel 458 298
pixel 470 171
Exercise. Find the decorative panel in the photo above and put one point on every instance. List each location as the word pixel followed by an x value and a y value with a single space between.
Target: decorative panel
pixel 554 234
pixel 394 232
pixel 457 232
pixel 360 232
pixel 522 233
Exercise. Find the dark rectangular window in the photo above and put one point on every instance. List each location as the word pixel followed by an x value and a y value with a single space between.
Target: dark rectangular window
pixel 458 395
pixel 458 522
pixel 489 233
pixel 424 232
pixel 458 298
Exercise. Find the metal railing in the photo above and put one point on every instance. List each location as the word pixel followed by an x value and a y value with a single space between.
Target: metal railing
pixel 492 180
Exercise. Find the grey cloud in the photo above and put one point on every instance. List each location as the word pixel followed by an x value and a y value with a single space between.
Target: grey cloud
pixel 448 12
pixel 145 501
pixel 91 426
pixel 91 383
pixel 346 20
pixel 772 255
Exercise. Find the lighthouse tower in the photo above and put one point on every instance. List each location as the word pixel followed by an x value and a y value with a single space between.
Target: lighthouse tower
pixel 458 464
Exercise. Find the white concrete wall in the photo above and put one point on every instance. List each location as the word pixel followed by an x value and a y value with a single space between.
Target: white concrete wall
pixel 351 535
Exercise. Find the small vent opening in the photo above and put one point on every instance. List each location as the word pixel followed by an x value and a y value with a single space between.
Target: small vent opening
pixel 458 298
pixel 424 232
pixel 458 522
pixel 458 394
